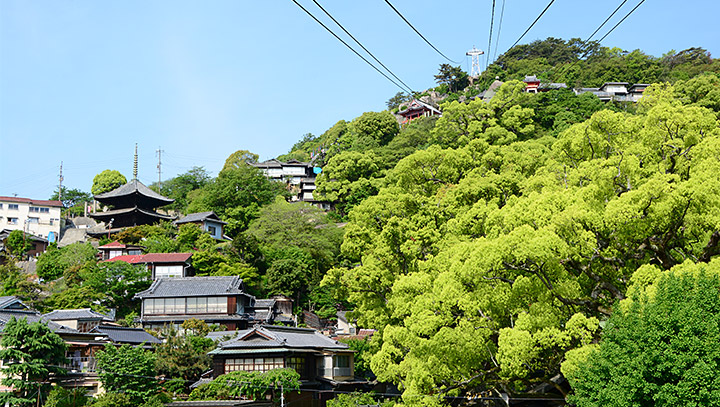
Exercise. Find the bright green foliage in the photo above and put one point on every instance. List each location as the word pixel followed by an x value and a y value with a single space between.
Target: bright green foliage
pixel 453 77
pixel 364 349
pixel 18 244
pixel 380 127
pixel 13 281
pixel 487 262
pixel 55 261
pixel 662 349
pixel 179 187
pixel 106 181
pixel 128 370
pixel 73 201
pixel 32 353
pixel 62 397
pixel 253 385
pixel 239 159
pixel 348 178
pixel 111 399
pixel 354 400
pixel 236 196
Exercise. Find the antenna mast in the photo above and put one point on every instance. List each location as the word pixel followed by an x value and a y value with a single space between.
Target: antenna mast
pixel 475 54
pixel 159 152
pixel 60 184
pixel 135 164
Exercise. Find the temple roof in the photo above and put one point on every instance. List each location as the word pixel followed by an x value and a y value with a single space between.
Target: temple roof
pixel 134 193
pixel 132 216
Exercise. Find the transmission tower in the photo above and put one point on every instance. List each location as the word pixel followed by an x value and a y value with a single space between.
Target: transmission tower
pixel 475 54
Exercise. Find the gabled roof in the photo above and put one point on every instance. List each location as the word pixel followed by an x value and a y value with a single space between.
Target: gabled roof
pixel 264 303
pixel 531 78
pixel 12 302
pixel 70 314
pixel 153 258
pixel 275 336
pixel 121 334
pixel 199 217
pixel 113 245
pixel 194 287
pixel 31 316
pixel 273 163
pixel 38 202
pixel 131 192
pixel 417 104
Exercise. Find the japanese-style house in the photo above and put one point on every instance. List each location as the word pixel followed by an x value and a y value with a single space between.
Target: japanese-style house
pixel 132 204
pixel 82 319
pixel 161 265
pixel 213 299
pixel 208 222
pixel 115 249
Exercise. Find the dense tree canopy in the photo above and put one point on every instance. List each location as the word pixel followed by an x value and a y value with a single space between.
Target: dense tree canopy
pixel 107 181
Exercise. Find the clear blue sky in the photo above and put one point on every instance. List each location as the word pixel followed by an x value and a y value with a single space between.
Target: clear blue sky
pixel 82 81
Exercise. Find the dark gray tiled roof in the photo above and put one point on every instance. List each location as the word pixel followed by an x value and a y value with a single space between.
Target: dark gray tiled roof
pixel 132 187
pixel 31 316
pixel 81 313
pixel 193 287
pixel 123 211
pixel 199 217
pixel 274 336
pixel 120 334
pixel 12 301
pixel 264 303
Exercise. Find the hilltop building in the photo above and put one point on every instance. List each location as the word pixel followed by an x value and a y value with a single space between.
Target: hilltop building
pixel 133 204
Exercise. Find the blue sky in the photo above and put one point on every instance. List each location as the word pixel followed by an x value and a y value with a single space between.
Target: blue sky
pixel 82 81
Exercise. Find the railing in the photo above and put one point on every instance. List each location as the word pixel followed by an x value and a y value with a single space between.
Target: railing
pixel 80 365
pixel 335 372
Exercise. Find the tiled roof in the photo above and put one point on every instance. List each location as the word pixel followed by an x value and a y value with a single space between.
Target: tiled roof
pixel 132 187
pixel 274 336
pixel 113 245
pixel 264 303
pixel 38 202
pixel 9 300
pixel 193 287
pixel 81 313
pixel 123 211
pixel 199 217
pixel 152 258
pixel 120 334
pixel 31 316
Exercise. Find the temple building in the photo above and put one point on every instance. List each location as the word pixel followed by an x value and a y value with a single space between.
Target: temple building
pixel 132 204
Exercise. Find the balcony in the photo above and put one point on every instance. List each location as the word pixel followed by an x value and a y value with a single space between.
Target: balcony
pixel 80 365
pixel 335 372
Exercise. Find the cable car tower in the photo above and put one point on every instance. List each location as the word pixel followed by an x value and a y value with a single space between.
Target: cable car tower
pixel 475 54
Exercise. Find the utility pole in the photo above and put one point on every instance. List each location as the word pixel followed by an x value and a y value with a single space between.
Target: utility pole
pixel 159 152
pixel 60 185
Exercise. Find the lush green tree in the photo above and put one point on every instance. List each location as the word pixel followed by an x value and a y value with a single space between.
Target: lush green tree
pixel 62 397
pixel 73 200
pixel 128 370
pixel 32 354
pixel 107 181
pixel 453 76
pixel 55 261
pixel 13 281
pixel 397 100
pixel 348 178
pixel 18 244
pixel 178 357
pixel 355 399
pixel 659 348
pixel 112 399
pixel 254 385
pixel 117 282
pixel 379 127
pixel 240 159
pixel 180 186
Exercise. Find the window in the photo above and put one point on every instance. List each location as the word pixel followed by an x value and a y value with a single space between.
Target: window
pixel 197 305
pixel 1 206
pixel 297 363
pixel 190 305
pixel 13 207
pixel 342 361
pixel 39 210
pixel 253 364
pixel 212 230
pixel 12 221
pixel 33 220
pixel 216 304
pixel 134 252
pixel 168 271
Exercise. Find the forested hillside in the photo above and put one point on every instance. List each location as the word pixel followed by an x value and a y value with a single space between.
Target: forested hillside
pixel 513 245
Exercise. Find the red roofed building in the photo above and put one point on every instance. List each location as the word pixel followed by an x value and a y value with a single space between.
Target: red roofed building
pixel 161 265
pixel 417 108
pixel 115 249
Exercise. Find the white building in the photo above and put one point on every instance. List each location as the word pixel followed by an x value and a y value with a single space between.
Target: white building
pixel 37 217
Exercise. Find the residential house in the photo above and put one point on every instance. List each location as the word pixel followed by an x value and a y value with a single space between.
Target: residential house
pixel 208 221
pixel 415 109
pixel 344 326
pixel 291 171
pixel 39 244
pixel 34 216
pixel 616 91
pixel 270 310
pixel 213 299
pixel 323 363
pixel 635 92
pixel 115 249
pixel 161 265
pixel 123 335
pixel 83 319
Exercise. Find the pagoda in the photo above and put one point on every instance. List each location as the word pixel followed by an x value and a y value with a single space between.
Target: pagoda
pixel 133 204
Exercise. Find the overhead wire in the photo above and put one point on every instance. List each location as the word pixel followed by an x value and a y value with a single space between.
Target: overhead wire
pixel 604 36
pixel 492 20
pixel 418 32
pixel 361 46
pixel 348 46
pixel 497 40
pixel 533 23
